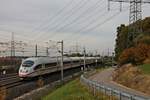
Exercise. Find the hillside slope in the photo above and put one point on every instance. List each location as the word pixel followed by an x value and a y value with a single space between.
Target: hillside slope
pixel 132 77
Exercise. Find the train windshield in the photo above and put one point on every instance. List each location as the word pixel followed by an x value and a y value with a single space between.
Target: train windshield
pixel 27 63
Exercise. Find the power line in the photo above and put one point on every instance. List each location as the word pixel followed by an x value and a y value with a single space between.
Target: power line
pixel 70 12
pixel 95 6
pixel 94 27
pixel 89 24
pixel 98 25
pixel 90 9
pixel 53 18
pixel 88 17
pixel 135 17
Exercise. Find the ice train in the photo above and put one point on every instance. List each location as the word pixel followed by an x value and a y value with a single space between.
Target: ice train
pixel 36 66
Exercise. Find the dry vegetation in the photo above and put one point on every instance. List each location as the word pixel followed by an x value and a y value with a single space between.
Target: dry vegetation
pixel 135 55
pixel 2 93
pixel 131 76
pixel 40 83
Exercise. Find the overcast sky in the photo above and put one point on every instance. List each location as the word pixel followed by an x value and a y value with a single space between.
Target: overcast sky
pixel 85 22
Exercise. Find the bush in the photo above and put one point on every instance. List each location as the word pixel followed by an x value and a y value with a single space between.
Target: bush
pixel 141 53
pixel 142 38
pixel 127 56
pixel 135 55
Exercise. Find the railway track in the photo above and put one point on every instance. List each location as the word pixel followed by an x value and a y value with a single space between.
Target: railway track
pixel 8 83
pixel 9 80
pixel 8 75
pixel 16 87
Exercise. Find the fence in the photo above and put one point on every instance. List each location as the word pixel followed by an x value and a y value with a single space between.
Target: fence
pixel 110 91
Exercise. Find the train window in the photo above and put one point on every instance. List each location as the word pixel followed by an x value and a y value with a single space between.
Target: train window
pixel 27 63
pixel 75 61
pixel 50 64
pixel 37 67
pixel 67 62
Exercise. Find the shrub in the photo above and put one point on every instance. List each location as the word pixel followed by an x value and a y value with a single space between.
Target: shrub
pixel 141 53
pixel 127 56
pixel 2 93
pixel 135 55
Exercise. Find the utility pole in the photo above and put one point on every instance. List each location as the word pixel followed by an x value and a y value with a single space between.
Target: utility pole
pixel 62 57
pixel 47 53
pixel 112 58
pixel 47 48
pixel 102 57
pixel 84 51
pixel 96 58
pixel 77 51
pixel 108 52
pixel 36 50
pixel 12 45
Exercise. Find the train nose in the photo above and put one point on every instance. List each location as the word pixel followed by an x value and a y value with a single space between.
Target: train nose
pixel 23 72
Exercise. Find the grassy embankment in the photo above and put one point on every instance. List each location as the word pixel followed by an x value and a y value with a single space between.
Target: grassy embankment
pixel 74 90
pixel 71 91
pixel 138 77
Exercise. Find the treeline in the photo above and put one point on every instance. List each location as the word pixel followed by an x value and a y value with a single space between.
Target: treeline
pixel 137 50
pixel 9 61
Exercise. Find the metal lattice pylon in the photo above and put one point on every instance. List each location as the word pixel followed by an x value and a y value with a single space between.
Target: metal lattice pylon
pixel 134 21
pixel 134 17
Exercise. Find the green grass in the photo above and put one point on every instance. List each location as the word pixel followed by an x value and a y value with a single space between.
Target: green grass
pixel 74 90
pixel 71 91
pixel 145 68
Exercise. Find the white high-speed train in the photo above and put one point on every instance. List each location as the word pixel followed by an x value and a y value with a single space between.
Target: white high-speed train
pixel 36 66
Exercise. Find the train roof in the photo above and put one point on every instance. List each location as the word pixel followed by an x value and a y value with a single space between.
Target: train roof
pixel 54 59
pixel 46 59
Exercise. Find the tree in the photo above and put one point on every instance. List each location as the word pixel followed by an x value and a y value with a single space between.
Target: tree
pixel 122 37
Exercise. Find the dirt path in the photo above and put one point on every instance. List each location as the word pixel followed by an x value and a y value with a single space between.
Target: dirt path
pixel 105 77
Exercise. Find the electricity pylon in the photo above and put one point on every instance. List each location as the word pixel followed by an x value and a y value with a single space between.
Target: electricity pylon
pixel 135 17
